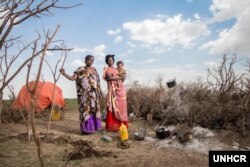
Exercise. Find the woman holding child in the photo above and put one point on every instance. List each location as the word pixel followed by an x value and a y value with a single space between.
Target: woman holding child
pixel 116 99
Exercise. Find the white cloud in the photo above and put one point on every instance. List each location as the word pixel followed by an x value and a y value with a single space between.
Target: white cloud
pixel 161 16
pixel 128 61
pixel 143 75
pixel 235 38
pixel 178 66
pixel 99 50
pixel 130 44
pixel 77 63
pixel 158 50
pixel 190 1
pixel 145 45
pixel 114 32
pixel 211 63
pixel 190 65
pixel 227 9
pixel 125 54
pixel 118 39
pixel 197 16
pixel 167 32
pixel 129 51
pixel 80 50
pixel 149 61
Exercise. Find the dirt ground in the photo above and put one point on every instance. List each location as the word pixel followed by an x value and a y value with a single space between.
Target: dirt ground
pixel 17 151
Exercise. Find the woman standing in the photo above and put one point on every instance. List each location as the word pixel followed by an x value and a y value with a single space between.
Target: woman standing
pixel 116 99
pixel 88 95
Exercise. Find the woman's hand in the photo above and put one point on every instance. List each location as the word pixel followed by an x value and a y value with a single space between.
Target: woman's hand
pixel 109 77
pixel 72 78
pixel 112 78
pixel 62 71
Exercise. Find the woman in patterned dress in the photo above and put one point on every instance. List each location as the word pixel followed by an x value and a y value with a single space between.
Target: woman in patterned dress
pixel 88 95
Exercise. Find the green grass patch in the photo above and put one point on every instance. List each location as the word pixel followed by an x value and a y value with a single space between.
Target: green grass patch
pixel 71 104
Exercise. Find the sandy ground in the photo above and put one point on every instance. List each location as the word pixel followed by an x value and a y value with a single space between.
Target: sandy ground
pixel 16 151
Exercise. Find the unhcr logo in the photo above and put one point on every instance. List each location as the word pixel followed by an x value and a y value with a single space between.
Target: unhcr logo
pixel 229 158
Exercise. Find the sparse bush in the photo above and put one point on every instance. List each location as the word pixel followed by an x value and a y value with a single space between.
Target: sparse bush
pixel 220 102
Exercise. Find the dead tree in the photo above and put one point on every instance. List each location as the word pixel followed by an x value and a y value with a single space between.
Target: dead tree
pixel 6 61
pixel 55 79
pixel 12 14
pixel 226 83
pixel 222 78
pixel 32 88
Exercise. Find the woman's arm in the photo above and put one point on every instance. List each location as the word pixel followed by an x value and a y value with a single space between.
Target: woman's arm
pixel 98 78
pixel 98 83
pixel 123 76
pixel 72 78
pixel 111 78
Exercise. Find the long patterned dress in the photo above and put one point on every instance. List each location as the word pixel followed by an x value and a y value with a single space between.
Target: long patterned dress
pixel 116 101
pixel 88 95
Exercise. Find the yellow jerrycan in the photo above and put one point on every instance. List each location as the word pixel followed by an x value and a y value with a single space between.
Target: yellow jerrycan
pixel 55 115
pixel 123 132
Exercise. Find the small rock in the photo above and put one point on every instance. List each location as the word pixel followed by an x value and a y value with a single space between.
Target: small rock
pixel 235 147
pixel 106 138
pixel 202 132
pixel 170 142
pixel 131 116
pixel 236 144
pixel 129 141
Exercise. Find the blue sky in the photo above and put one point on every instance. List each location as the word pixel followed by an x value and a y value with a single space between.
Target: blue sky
pixel 174 38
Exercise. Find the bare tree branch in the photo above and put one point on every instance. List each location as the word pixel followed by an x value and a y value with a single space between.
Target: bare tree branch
pixel 223 76
pixel 32 89
pixel 55 78
pixel 15 12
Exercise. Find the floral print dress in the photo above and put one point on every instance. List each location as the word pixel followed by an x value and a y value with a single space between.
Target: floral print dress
pixel 88 95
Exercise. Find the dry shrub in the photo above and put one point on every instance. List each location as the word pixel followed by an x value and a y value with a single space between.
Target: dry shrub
pixel 219 102
pixel 137 95
pixel 207 108
pixel 222 101
pixel 9 114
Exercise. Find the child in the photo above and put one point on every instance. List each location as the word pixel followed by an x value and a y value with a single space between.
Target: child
pixel 121 70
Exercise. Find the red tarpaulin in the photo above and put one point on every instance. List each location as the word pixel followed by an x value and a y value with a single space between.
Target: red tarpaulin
pixel 43 94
